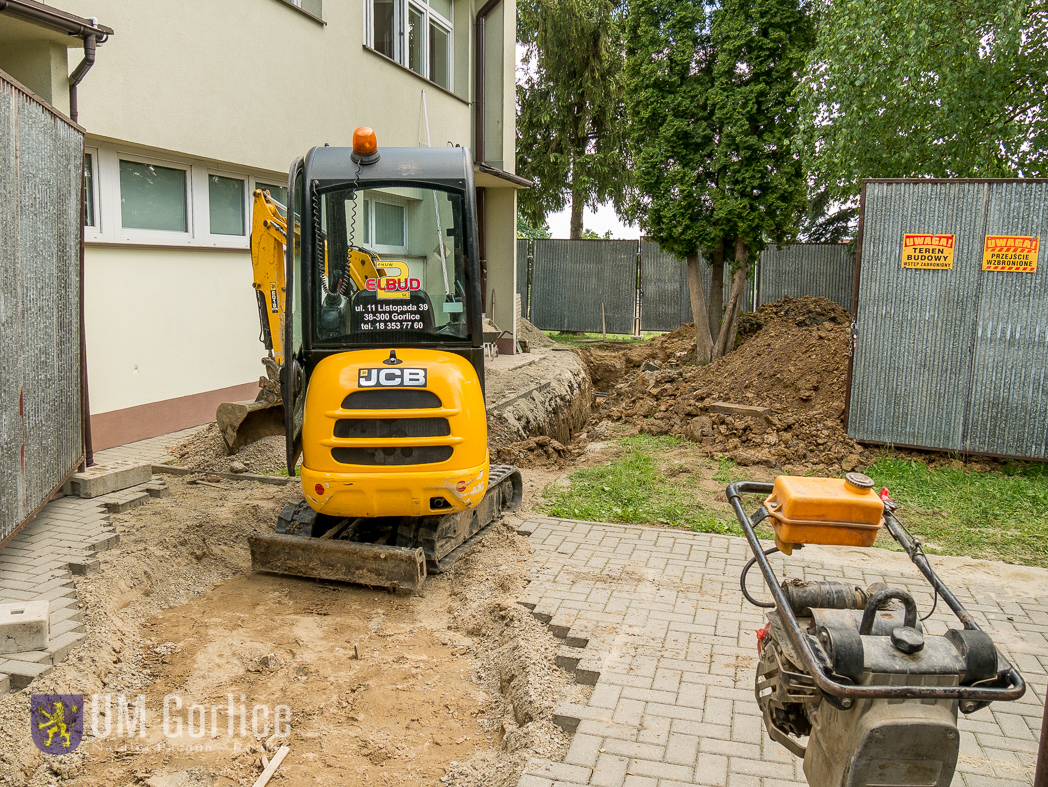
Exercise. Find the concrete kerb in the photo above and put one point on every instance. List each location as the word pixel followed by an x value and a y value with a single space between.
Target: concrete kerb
pixel 660 629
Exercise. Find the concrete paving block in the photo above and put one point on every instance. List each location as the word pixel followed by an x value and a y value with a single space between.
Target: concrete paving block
pixel 5 683
pixel 24 626
pixel 21 673
pixel 568 658
pixel 107 541
pixel 61 646
pixel 30 657
pixel 73 624
pixel 124 503
pixel 110 477
pixel 85 566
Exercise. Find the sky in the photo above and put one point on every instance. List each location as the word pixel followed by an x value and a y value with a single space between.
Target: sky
pixel 600 221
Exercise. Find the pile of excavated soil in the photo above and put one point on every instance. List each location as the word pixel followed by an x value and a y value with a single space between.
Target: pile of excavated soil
pixel 541 451
pixel 532 335
pixel 610 363
pixel 794 364
pixel 205 452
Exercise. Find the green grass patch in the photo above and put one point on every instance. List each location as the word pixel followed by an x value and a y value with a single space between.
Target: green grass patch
pixel 997 515
pixel 727 471
pixel 575 339
pixel 632 489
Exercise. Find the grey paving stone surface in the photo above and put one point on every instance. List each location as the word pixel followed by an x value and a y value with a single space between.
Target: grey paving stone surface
pixel 43 561
pixel 670 645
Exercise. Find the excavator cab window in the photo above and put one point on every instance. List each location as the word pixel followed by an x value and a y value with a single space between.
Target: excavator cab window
pixel 394 267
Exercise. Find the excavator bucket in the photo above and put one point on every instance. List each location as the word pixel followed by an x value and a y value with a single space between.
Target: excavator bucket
pixel 376 565
pixel 242 423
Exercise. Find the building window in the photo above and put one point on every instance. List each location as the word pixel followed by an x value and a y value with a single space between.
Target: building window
pixel 415 33
pixel 89 191
pixel 315 8
pixel 130 197
pixel 226 205
pixel 153 197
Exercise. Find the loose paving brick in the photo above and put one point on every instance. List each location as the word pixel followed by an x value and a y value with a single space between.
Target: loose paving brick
pixel 667 641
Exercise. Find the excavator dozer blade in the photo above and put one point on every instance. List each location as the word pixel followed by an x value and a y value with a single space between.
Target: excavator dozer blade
pixel 242 423
pixel 377 565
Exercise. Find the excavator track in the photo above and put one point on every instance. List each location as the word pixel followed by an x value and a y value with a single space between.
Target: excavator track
pixel 391 552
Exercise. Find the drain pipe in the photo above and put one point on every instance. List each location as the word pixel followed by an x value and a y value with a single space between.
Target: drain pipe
pixel 92 33
pixel 479 145
pixel 80 72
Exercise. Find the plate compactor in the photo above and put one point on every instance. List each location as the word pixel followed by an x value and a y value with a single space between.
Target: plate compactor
pixel 847 677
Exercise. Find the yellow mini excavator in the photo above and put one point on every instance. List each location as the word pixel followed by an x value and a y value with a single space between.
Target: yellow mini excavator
pixel 369 298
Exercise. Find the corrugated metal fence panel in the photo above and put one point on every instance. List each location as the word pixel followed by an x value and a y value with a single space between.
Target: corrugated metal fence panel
pixel 665 302
pixel 955 359
pixel 572 278
pixel 41 165
pixel 522 275
pixel 826 270
pixel 1007 410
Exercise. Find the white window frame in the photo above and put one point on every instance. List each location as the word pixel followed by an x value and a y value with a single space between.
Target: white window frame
pixel 403 204
pixel 400 17
pixel 93 231
pixel 109 229
pixel 169 237
pixel 228 241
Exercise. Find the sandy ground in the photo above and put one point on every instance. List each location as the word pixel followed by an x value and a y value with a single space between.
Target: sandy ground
pixel 455 682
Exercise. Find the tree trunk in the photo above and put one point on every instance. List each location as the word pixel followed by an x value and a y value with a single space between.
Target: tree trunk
pixel 716 308
pixel 726 339
pixel 703 337
pixel 578 203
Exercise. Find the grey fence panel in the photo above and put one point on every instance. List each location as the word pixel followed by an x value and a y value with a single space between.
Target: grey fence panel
pixel 522 275
pixel 665 302
pixel 572 279
pixel 826 270
pixel 41 170
pixel 1007 409
pixel 665 299
pixel 950 359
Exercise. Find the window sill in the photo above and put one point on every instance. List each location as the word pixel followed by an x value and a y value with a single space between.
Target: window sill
pixel 418 76
pixel 161 246
pixel 304 12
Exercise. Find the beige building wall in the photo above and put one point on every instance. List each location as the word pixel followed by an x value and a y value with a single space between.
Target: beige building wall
pixel 257 83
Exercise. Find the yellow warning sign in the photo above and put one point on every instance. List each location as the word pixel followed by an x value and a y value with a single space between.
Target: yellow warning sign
pixel 933 252
pixel 1017 253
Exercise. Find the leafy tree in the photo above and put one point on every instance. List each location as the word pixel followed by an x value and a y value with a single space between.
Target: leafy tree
pixel 526 230
pixel 908 88
pixel 592 235
pixel 711 118
pixel 568 100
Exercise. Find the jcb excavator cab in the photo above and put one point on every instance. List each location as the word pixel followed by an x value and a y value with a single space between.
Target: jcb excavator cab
pixel 383 373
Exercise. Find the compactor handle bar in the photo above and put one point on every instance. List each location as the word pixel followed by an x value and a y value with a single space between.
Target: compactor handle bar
pixel 825 682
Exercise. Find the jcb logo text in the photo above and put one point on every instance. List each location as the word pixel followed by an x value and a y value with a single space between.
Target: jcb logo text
pixel 391 378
